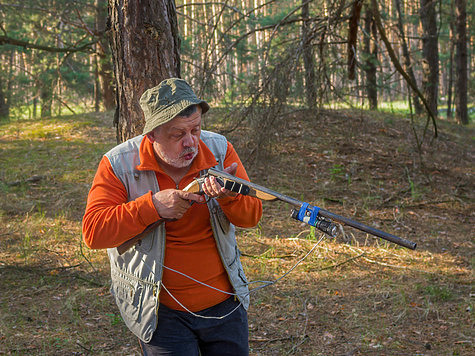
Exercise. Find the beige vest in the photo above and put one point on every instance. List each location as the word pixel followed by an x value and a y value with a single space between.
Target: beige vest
pixel 137 274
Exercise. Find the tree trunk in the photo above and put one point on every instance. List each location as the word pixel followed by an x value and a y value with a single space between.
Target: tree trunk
pixel 4 102
pixel 308 58
pixel 4 109
pixel 104 61
pixel 353 36
pixel 430 53
pixel 451 62
pixel 97 91
pixel 371 58
pixel 145 47
pixel 46 99
pixel 407 58
pixel 461 114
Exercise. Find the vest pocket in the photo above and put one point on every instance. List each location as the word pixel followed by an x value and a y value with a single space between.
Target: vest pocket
pixel 128 296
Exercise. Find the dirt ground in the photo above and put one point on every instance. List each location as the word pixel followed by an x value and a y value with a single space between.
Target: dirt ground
pixel 352 295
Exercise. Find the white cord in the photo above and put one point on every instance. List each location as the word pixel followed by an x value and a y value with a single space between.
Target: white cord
pixel 266 284
pixel 195 280
pixel 201 316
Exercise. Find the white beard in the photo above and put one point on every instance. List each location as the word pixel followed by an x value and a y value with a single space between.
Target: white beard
pixel 180 161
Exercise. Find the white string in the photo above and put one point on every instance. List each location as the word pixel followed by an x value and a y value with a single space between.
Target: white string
pixel 266 284
pixel 198 315
pixel 195 280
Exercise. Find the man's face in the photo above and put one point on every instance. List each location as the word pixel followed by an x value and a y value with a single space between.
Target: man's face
pixel 176 142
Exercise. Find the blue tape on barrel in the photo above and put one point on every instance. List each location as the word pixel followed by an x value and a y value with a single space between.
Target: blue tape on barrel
pixel 313 215
pixel 302 211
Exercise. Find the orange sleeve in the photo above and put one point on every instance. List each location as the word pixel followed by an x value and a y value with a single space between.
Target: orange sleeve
pixel 110 219
pixel 243 211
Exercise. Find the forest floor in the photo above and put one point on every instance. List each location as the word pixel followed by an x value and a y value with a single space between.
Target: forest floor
pixel 353 295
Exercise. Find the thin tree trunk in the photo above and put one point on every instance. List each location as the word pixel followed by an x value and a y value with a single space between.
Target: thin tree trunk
pixel 352 37
pixel 4 91
pixel 371 58
pixel 451 63
pixel 461 114
pixel 430 53
pixel 97 91
pixel 46 99
pixel 145 47
pixel 104 60
pixel 4 109
pixel 407 58
pixel 398 65
pixel 308 58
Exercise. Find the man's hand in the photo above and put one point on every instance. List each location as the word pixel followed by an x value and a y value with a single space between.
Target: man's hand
pixel 214 190
pixel 173 204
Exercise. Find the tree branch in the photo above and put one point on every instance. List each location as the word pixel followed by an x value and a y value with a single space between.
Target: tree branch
pixel 4 40
pixel 398 65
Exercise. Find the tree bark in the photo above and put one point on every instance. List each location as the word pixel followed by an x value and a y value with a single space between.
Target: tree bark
pixel 430 53
pixel 104 60
pixel 4 108
pixel 451 63
pixel 407 58
pixel 308 58
pixel 461 114
pixel 371 58
pixel 145 47
pixel 398 66
pixel 352 37
pixel 5 87
pixel 46 99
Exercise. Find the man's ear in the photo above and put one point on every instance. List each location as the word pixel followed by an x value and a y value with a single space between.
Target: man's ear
pixel 151 136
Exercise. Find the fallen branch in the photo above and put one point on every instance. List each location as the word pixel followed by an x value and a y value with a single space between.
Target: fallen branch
pixel 342 263
pixel 271 340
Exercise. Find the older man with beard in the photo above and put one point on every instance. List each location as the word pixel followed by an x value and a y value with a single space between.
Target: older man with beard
pixel 182 290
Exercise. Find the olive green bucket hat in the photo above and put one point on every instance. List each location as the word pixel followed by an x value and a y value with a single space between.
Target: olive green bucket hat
pixel 165 101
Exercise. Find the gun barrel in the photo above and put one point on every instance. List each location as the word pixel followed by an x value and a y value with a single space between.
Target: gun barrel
pixel 273 195
pixel 370 230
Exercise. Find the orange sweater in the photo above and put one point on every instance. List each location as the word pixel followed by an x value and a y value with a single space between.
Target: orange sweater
pixel 190 246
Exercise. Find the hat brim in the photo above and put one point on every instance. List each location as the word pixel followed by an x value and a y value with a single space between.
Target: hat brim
pixel 170 112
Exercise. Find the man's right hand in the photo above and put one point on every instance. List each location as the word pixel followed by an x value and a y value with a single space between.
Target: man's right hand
pixel 173 204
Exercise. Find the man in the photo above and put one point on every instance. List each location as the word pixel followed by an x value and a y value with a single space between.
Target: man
pixel 182 290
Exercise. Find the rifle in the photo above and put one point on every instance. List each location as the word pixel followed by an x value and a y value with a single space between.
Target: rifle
pixel 314 216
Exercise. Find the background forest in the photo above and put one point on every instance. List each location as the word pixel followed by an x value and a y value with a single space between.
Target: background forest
pixel 364 108
pixel 55 56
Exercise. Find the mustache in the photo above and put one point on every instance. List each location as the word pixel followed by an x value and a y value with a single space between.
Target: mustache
pixel 188 150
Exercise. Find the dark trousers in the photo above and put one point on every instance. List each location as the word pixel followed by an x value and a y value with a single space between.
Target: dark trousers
pixel 180 333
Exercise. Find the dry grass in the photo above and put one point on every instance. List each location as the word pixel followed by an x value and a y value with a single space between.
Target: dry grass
pixel 352 296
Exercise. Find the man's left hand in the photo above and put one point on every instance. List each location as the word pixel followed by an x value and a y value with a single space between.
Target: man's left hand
pixel 214 190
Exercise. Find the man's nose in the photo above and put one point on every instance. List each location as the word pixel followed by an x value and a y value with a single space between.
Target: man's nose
pixel 188 140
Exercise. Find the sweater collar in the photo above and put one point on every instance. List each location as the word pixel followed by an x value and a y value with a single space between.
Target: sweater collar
pixel 203 160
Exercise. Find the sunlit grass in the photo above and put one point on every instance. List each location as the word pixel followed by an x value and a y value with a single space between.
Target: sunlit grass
pixel 360 294
pixel 26 112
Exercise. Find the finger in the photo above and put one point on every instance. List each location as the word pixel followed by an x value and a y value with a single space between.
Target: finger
pixel 219 189
pixel 190 196
pixel 231 169
pixel 208 186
